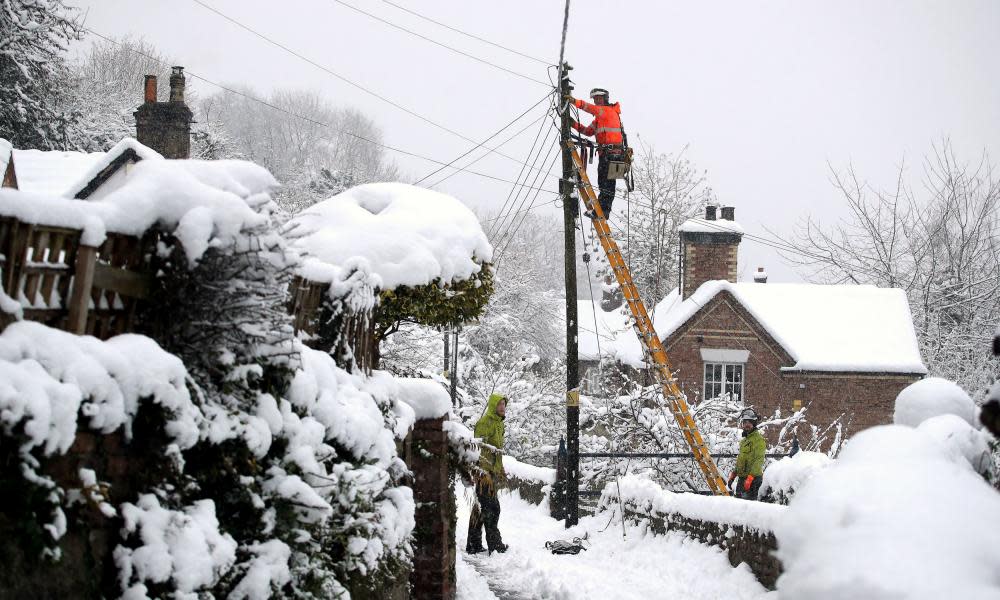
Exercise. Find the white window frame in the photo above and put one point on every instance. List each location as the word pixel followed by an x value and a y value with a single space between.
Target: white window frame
pixel 724 384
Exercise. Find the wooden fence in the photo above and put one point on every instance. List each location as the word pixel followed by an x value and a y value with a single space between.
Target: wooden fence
pixel 70 286
pixel 306 307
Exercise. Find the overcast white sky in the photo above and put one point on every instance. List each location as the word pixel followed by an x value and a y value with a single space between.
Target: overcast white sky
pixel 764 94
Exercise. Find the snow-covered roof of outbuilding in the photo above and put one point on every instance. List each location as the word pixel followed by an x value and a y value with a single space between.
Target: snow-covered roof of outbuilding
pixel 611 325
pixel 403 235
pixel 203 203
pixel 51 172
pixel 5 148
pixel 841 328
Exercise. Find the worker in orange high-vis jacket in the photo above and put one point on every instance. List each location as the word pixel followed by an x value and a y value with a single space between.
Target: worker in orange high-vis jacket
pixel 607 129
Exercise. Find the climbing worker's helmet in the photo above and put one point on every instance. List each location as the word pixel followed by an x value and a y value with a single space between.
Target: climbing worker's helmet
pixel 749 414
pixel 594 93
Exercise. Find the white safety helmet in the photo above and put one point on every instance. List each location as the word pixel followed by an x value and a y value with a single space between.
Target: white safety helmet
pixel 598 92
pixel 749 414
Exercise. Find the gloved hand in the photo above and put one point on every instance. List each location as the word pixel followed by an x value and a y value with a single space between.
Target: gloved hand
pixel 747 482
pixel 569 98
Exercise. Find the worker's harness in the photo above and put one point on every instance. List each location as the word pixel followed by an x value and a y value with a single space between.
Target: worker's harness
pixel 619 157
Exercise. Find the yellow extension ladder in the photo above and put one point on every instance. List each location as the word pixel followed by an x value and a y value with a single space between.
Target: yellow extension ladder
pixel 647 335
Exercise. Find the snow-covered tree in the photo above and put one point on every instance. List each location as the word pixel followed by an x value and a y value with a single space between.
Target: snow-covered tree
pixel 34 35
pixel 314 148
pixel 941 244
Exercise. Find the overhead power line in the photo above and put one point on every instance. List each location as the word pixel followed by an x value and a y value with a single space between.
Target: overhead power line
pixel 485 154
pixel 437 43
pixel 475 37
pixel 356 85
pixel 480 144
pixel 305 118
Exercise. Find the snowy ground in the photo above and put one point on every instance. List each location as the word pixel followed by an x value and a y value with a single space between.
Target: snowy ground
pixel 641 566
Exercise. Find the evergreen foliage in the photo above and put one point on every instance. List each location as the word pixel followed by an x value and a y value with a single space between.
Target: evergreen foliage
pixel 34 34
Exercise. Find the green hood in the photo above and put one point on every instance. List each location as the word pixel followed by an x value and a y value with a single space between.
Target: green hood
pixel 491 405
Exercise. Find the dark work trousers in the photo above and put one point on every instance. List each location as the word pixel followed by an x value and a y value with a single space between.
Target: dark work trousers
pixel 487 515
pixel 750 494
pixel 605 186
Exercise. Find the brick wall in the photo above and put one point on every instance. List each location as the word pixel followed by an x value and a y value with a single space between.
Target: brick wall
pixel 864 399
pixel 426 453
pixel 708 257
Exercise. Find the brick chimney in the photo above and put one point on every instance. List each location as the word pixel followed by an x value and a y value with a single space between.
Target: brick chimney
pixel 708 249
pixel 165 126
pixel 760 276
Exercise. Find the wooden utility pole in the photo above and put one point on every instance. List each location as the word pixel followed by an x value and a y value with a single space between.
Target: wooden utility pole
pixel 570 211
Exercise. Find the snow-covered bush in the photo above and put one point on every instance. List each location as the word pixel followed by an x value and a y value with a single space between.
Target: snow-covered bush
pixel 422 251
pixel 783 477
pixel 931 397
pixel 892 483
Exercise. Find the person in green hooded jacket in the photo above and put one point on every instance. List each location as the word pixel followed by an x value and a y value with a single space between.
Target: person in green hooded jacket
pixel 489 429
pixel 750 461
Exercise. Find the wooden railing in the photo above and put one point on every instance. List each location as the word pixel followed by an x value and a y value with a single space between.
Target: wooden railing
pixel 67 285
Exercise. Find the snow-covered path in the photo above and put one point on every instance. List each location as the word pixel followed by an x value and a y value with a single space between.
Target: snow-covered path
pixel 642 566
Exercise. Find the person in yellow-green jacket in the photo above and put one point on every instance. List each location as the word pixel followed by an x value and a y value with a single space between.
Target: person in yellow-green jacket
pixel 489 430
pixel 749 471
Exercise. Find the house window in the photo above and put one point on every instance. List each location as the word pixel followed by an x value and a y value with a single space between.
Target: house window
pixel 723 378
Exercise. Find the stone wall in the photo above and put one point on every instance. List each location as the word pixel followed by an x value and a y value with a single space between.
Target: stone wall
pixel 742 544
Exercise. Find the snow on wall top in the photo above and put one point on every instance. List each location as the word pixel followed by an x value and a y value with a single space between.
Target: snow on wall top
pixel 698 225
pixel 203 203
pixel 402 234
pixel 51 172
pixel 641 495
pixel 859 328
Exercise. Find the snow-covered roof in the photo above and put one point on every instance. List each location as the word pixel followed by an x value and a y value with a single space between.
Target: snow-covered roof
pixel 202 203
pixel 56 173
pixel 5 148
pixel 853 328
pixel 141 152
pixel 610 326
pixel 51 172
pixel 400 233
pixel 699 225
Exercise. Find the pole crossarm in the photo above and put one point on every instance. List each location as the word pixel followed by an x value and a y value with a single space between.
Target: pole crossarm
pixel 643 326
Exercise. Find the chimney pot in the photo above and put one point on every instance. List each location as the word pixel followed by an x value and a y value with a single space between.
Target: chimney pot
pixel 760 276
pixel 729 213
pixel 710 212
pixel 150 89
pixel 177 85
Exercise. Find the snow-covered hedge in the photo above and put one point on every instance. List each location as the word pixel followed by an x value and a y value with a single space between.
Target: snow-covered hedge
pixel 282 477
pixel 639 495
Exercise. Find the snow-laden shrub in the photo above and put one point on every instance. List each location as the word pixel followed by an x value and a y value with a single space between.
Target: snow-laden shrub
pixel 931 397
pixel 892 483
pixel 784 476
pixel 53 385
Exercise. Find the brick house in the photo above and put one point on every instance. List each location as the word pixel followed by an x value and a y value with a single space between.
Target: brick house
pixel 836 349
